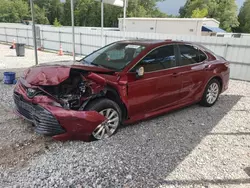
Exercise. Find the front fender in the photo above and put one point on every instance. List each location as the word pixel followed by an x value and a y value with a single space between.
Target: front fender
pixel 79 125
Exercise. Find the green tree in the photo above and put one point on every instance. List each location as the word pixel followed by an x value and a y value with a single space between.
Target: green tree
pixel 197 13
pixel 40 16
pixel 244 18
pixel 66 17
pixel 224 11
pixel 144 8
pixel 53 9
pixel 227 14
pixel 87 12
pixel 56 23
pixel 13 11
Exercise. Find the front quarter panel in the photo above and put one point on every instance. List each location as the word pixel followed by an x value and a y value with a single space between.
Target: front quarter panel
pixel 79 125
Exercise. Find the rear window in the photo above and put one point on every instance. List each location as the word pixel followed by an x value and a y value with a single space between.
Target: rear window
pixel 191 55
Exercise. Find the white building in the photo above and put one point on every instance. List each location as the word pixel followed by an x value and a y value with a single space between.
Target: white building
pixel 179 26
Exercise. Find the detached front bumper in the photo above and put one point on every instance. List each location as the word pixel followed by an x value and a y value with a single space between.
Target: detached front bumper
pixel 55 121
pixel 45 123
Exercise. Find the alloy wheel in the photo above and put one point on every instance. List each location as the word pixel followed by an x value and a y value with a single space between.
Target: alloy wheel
pixel 108 127
pixel 212 93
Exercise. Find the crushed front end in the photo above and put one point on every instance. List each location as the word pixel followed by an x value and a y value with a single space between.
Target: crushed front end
pixel 56 106
pixel 45 122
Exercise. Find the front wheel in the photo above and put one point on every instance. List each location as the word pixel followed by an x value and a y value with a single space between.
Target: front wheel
pixel 111 111
pixel 211 93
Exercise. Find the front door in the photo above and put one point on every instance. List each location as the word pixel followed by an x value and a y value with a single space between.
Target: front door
pixel 159 87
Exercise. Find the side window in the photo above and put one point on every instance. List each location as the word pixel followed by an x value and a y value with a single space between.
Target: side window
pixel 190 55
pixel 159 59
pixel 203 56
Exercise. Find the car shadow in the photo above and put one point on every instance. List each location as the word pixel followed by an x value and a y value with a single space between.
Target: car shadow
pixel 213 182
pixel 159 145
pixel 10 56
pixel 247 170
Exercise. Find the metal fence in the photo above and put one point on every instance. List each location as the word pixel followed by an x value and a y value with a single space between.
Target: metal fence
pixel 235 50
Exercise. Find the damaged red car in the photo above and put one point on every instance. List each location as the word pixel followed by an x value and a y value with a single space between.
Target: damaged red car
pixel 119 84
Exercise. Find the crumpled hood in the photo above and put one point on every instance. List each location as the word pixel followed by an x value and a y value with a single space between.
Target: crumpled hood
pixel 47 75
pixel 53 74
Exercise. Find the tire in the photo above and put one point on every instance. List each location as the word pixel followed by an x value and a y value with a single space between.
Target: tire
pixel 212 89
pixel 108 108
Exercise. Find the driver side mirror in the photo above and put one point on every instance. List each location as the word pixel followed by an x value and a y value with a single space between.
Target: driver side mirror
pixel 140 72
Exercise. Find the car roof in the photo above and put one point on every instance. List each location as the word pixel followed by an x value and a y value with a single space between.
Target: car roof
pixel 153 42
pixel 149 42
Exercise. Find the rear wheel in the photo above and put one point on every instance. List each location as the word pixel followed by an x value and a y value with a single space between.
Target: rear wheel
pixel 111 111
pixel 211 93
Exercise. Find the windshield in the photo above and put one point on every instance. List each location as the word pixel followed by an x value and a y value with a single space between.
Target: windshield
pixel 115 56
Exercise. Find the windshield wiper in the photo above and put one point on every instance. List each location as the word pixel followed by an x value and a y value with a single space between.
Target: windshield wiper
pixel 98 65
pixel 85 62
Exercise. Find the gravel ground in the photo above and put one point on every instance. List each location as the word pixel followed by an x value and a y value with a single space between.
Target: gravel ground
pixel 192 147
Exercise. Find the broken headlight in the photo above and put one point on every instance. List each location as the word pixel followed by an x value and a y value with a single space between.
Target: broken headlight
pixel 31 92
pixel 56 104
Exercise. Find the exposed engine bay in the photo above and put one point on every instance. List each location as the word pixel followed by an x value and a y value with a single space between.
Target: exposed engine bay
pixel 74 91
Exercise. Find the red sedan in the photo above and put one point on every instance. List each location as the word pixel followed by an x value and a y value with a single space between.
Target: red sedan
pixel 122 83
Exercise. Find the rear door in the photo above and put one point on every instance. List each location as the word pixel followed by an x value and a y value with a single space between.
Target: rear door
pixel 192 68
pixel 159 87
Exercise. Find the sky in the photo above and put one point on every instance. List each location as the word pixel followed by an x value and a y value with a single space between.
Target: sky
pixel 173 6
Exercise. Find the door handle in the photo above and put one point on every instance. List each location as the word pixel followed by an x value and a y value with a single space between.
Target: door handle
pixel 176 74
pixel 207 67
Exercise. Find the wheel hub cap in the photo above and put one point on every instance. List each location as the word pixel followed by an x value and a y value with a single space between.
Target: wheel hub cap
pixel 212 93
pixel 108 127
